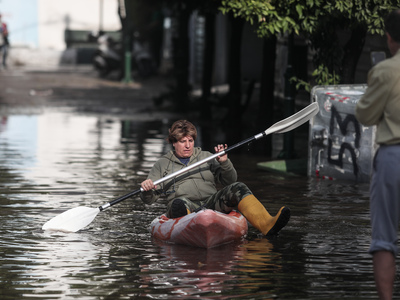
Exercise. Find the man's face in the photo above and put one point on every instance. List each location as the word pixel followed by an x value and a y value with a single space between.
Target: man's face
pixel 184 147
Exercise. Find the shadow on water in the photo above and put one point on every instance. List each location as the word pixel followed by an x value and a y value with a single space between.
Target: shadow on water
pixel 55 161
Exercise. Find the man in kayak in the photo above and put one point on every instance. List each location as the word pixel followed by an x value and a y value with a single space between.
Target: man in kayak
pixel 196 188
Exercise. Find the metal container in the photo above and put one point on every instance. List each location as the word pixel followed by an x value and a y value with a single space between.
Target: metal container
pixel 340 147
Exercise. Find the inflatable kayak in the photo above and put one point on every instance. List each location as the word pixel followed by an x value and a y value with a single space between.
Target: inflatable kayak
pixel 206 228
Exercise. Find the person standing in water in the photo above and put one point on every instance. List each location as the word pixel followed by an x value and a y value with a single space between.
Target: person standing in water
pixel 380 106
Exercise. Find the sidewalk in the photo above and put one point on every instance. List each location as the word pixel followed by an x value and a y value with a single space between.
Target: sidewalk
pixel 77 86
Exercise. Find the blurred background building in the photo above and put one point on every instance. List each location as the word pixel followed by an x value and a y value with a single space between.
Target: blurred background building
pixel 37 27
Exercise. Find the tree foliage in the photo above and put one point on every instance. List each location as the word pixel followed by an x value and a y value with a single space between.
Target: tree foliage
pixel 279 16
pixel 318 20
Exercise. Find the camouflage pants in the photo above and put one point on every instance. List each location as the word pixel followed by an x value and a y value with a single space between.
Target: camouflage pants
pixel 225 200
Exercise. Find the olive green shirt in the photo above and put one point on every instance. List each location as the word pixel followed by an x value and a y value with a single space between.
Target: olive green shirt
pixel 380 105
pixel 196 184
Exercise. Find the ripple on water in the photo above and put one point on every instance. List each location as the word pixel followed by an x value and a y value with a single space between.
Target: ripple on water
pixel 56 161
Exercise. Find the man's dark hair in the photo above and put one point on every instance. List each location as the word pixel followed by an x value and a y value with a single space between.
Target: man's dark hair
pixel 392 25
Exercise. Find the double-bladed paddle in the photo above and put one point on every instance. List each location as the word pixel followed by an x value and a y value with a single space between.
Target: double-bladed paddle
pixel 77 218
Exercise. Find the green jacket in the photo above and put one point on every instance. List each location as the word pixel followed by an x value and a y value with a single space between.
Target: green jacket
pixel 196 184
pixel 380 105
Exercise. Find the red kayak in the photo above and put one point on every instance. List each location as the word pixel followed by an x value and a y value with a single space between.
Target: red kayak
pixel 206 228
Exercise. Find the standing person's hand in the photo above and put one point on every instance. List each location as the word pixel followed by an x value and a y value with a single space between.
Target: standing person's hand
pixel 147 185
pixel 220 148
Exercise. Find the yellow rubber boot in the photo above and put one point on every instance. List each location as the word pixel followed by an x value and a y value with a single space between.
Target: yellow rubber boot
pixel 259 217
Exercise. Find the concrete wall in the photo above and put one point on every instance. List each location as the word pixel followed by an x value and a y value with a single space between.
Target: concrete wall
pixel 41 23
pixel 56 16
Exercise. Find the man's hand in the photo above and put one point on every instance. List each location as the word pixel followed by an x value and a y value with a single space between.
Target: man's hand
pixel 147 185
pixel 220 148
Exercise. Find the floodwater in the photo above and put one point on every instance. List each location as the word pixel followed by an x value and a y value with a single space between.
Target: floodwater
pixel 54 161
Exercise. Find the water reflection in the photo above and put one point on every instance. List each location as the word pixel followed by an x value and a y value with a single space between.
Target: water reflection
pixel 55 161
pixel 63 261
pixel 189 271
pixel 245 269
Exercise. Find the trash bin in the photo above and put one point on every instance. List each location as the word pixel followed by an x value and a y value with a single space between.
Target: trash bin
pixel 340 147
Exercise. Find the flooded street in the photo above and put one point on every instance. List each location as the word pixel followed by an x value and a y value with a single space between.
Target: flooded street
pixel 57 160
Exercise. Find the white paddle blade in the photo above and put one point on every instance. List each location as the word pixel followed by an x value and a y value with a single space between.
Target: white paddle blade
pixel 72 220
pixel 295 120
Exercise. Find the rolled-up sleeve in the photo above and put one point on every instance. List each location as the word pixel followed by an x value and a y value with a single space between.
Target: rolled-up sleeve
pixel 152 196
pixel 227 174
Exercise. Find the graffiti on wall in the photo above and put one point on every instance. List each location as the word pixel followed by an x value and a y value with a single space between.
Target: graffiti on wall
pixel 343 124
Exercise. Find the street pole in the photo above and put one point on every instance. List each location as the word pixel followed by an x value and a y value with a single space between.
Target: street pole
pixel 101 16
pixel 127 39
pixel 128 60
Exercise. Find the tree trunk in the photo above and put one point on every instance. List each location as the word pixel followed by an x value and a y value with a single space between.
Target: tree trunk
pixel 265 117
pixel 181 59
pixel 208 64
pixel 352 53
pixel 235 78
